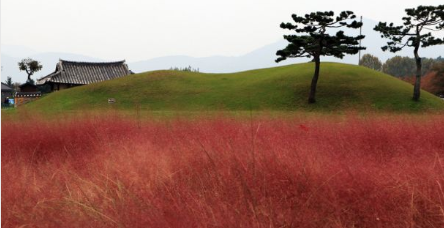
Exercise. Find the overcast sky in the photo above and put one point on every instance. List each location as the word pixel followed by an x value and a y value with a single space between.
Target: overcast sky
pixel 144 29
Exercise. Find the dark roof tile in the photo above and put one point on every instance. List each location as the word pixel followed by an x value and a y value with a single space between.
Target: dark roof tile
pixel 6 87
pixel 82 73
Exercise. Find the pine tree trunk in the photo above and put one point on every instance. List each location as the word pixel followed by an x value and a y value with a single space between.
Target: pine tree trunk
pixel 417 87
pixel 314 81
pixel 29 77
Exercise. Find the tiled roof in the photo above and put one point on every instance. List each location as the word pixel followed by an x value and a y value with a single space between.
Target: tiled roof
pixel 27 84
pixel 6 87
pixel 83 73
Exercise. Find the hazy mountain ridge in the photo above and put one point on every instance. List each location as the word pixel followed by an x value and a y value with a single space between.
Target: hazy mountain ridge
pixel 260 58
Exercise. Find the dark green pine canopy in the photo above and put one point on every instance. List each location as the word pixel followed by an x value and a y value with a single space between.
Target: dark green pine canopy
pixel 411 33
pixel 314 39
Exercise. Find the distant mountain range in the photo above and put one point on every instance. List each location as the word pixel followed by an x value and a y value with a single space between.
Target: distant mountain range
pixel 261 58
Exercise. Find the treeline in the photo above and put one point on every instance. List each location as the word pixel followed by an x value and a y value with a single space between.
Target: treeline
pixel 433 80
pixel 405 68
pixel 185 69
pixel 399 66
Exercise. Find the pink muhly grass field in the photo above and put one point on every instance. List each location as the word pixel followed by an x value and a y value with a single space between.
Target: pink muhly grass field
pixel 378 171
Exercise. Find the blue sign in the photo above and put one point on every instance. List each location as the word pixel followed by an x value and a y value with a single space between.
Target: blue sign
pixel 11 101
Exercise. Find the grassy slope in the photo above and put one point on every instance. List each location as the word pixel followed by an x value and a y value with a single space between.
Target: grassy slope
pixel 341 87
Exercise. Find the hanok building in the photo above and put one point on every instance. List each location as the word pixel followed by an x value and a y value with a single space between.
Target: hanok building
pixel 70 74
pixel 28 92
pixel 6 92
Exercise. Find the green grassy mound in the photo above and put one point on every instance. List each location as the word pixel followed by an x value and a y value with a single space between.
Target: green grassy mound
pixel 341 87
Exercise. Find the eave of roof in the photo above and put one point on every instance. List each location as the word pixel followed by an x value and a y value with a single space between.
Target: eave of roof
pixel 6 88
pixel 81 73
pixel 28 94
pixel 26 83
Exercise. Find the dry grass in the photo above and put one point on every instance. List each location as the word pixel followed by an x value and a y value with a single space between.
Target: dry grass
pixel 379 171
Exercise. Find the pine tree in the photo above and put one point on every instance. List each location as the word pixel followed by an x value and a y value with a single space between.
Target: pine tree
pixel 415 32
pixel 313 41
pixel 30 66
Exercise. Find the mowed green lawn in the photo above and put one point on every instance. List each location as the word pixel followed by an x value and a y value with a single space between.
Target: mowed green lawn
pixel 341 88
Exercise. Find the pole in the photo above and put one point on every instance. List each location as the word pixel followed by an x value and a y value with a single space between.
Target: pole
pixel 360 33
